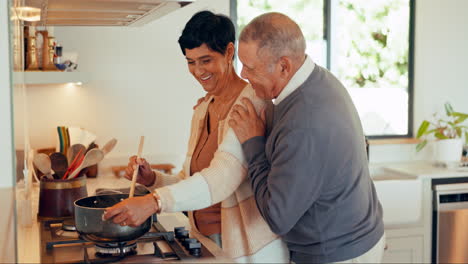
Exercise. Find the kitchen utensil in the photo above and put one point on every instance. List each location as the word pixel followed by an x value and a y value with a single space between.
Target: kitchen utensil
pixel 135 172
pixel 91 171
pixel 76 161
pixel 73 150
pixel 109 146
pixel 89 223
pixel 60 138
pixel 59 164
pixel 43 164
pixel 57 197
pixel 87 137
pixel 92 157
pixel 78 135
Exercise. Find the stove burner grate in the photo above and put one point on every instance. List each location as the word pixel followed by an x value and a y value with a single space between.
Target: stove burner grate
pixel 116 249
pixel 68 225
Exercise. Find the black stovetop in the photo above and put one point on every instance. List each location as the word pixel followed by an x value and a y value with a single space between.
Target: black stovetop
pixel 157 245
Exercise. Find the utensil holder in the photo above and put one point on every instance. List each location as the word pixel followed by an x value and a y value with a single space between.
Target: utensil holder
pixel 57 197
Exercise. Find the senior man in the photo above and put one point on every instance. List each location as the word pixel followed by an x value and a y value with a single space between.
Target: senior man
pixel 308 166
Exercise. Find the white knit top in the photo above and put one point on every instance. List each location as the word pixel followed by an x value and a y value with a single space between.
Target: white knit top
pixel 246 237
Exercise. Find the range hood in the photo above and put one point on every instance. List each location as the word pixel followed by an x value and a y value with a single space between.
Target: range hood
pixel 102 12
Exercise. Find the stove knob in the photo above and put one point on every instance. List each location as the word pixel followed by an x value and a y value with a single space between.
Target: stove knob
pixel 184 235
pixel 189 241
pixel 194 249
pixel 178 231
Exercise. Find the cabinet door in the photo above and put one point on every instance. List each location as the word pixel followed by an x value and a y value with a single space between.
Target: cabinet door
pixel 404 250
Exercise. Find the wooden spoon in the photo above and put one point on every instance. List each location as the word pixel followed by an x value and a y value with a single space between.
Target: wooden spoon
pixel 73 150
pixel 59 164
pixel 92 157
pixel 43 163
pixel 109 146
pixel 135 172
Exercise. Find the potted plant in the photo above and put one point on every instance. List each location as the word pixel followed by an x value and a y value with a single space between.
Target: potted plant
pixel 449 131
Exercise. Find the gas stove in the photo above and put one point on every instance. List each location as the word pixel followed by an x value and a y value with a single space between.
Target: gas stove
pixel 60 243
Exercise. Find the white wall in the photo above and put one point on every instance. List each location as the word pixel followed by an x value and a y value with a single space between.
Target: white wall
pixel 441 56
pixel 140 85
pixel 441 64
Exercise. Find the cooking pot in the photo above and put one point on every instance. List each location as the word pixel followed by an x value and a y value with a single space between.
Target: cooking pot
pixel 89 223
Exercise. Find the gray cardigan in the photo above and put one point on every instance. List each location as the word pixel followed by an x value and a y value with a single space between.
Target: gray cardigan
pixel 310 175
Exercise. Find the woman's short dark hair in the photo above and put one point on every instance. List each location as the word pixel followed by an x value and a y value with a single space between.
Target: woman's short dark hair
pixel 205 27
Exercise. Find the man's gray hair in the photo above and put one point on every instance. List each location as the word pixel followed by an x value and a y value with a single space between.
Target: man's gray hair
pixel 277 35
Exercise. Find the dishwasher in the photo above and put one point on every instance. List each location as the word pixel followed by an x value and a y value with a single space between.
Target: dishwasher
pixel 450 223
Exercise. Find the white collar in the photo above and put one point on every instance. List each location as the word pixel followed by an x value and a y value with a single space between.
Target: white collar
pixel 299 78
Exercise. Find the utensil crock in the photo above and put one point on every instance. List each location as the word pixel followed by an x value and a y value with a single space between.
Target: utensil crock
pixel 57 197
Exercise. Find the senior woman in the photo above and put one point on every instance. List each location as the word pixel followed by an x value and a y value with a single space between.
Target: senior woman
pixel 213 184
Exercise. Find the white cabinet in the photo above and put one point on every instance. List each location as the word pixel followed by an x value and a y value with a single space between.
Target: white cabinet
pixel 407 215
pixel 404 250
pixel 401 201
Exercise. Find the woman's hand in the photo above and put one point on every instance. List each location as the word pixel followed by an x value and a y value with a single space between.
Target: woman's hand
pixel 132 211
pixel 145 176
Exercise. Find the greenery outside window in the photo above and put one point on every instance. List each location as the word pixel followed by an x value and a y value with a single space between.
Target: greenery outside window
pixel 368 45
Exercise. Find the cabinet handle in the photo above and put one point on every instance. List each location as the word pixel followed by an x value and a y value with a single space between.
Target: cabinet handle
pixel 386 247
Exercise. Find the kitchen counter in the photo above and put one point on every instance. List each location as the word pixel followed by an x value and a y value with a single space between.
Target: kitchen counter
pixel 28 244
pixel 405 192
pixel 412 181
pixel 417 170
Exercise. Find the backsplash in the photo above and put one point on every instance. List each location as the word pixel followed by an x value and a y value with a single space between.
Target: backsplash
pixel 398 153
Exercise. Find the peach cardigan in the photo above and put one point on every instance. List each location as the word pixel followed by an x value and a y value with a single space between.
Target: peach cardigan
pixel 246 237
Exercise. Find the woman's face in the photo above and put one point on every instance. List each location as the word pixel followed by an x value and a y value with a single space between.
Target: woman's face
pixel 210 68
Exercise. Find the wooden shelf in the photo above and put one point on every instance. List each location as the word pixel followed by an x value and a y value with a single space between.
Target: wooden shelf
pixel 51 77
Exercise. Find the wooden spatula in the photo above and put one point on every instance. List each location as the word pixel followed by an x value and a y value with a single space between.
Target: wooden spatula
pixel 135 172
pixel 92 157
pixel 59 164
pixel 73 150
pixel 109 146
pixel 43 164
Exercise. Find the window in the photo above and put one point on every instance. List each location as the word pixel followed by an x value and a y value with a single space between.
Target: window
pixel 368 45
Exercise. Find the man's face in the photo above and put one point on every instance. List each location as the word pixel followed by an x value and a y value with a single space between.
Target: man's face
pixel 263 77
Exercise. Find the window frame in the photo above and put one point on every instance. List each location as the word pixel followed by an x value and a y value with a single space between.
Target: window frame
pixel 327 36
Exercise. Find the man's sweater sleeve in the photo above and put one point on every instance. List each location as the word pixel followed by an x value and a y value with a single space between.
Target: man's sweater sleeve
pixel 287 186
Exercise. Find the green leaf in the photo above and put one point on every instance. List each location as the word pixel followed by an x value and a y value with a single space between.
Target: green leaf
pixel 459 131
pixel 458 114
pixel 422 128
pixel 466 137
pixel 421 145
pixel 439 135
pixel 460 117
pixel 448 108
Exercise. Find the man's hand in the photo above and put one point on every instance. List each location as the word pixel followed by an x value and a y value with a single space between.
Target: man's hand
pixel 132 211
pixel 245 122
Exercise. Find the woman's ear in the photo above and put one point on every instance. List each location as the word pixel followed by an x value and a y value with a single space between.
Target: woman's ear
pixel 230 51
